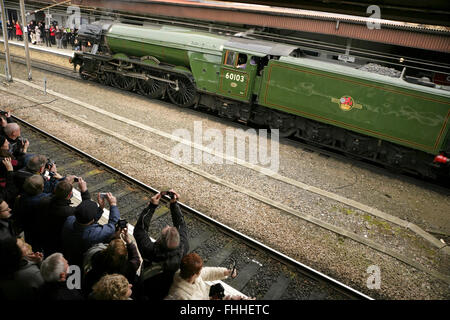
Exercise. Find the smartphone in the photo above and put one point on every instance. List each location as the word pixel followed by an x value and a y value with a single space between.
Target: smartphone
pixel 103 195
pixel 233 268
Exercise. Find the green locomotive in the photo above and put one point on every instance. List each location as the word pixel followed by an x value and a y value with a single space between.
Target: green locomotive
pixel 388 120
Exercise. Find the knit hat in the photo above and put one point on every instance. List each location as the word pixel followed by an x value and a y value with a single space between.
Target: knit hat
pixel 86 211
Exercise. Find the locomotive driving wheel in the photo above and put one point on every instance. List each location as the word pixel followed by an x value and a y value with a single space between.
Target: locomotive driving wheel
pixel 83 74
pixel 183 95
pixel 123 82
pixel 104 78
pixel 151 88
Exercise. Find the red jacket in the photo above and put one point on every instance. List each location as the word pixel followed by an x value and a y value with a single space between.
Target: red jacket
pixel 52 31
pixel 18 30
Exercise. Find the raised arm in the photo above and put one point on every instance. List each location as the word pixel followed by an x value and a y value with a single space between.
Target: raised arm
pixel 178 221
pixel 144 243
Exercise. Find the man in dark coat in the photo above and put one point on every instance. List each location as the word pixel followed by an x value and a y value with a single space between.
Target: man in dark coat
pixel 164 255
pixel 82 231
pixel 37 164
pixel 54 271
pixel 27 209
pixel 55 210
pixel 10 30
pixel 18 146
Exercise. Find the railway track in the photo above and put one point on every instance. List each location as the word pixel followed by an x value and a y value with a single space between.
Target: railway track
pixel 67 72
pixel 263 272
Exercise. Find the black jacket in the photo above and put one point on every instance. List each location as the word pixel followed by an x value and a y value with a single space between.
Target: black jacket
pixel 9 191
pixel 27 212
pixel 155 252
pixel 6 229
pixel 101 265
pixel 53 214
pixel 21 175
pixel 53 291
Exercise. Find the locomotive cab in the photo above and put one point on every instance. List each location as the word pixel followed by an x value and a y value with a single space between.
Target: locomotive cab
pixel 237 75
pixel 243 64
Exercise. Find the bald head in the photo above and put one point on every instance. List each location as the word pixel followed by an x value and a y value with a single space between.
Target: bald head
pixel 12 130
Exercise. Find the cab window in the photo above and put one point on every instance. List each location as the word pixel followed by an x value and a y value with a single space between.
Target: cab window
pixel 242 61
pixel 230 57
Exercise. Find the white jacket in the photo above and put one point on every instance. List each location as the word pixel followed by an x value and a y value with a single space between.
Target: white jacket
pixel 199 290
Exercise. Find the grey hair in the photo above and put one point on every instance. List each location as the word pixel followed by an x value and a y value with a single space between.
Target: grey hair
pixel 52 267
pixel 10 128
pixel 36 162
pixel 34 185
pixel 171 237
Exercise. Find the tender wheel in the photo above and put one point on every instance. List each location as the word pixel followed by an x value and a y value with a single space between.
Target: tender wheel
pixel 83 75
pixel 359 145
pixel 185 95
pixel 122 82
pixel 285 126
pixel 285 132
pixel 151 88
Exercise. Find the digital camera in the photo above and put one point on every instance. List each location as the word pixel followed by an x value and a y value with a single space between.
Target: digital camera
pixel 49 164
pixel 168 193
pixel 122 224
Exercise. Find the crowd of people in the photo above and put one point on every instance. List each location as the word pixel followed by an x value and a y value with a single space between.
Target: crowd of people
pixel 45 239
pixel 39 33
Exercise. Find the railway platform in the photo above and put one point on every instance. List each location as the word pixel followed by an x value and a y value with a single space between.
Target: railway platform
pixel 43 48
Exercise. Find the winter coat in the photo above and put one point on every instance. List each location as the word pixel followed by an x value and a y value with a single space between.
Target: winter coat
pixel 155 252
pixel 27 214
pixel 8 189
pixel 199 290
pixel 58 291
pixel 58 34
pixel 100 267
pixel 18 30
pixel 6 229
pixel 21 175
pixel 53 215
pixel 78 238
pixel 23 284
pixel 38 34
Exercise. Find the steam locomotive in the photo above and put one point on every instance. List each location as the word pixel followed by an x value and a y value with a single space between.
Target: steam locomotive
pixel 401 122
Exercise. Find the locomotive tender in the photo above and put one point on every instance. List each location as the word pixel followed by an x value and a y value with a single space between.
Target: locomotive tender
pixel 389 120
